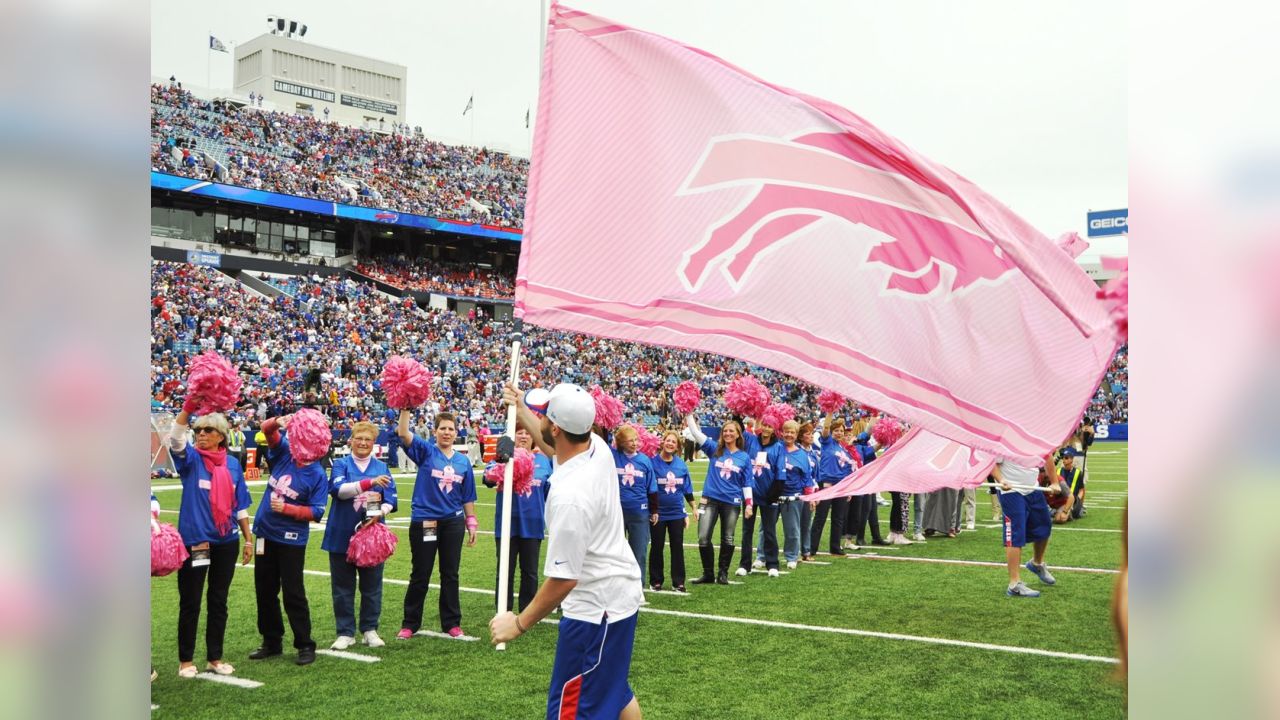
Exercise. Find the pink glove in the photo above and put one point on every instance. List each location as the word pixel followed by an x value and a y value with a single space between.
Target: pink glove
pixel 189 406
pixel 472 523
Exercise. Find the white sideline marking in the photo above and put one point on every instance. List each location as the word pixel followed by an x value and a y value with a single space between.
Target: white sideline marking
pixel 229 680
pixel 446 636
pixel 814 562
pixel 349 655
pixel 1057 528
pixel 888 636
pixel 667 592
pixel 248 483
pixel 982 563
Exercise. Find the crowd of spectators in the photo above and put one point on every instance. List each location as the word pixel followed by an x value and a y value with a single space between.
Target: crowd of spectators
pixel 1110 404
pixel 345 330
pixel 301 155
pixel 446 278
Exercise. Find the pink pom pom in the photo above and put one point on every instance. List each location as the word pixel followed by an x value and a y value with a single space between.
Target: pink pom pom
pixel 746 396
pixel 521 474
pixel 406 383
pixel 777 415
pixel 168 552
pixel 887 431
pixel 830 401
pixel 647 443
pixel 1115 294
pixel 371 545
pixel 609 410
pixel 213 383
pixel 687 397
pixel 309 436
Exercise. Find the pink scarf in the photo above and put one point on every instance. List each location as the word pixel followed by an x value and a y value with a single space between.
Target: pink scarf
pixel 220 490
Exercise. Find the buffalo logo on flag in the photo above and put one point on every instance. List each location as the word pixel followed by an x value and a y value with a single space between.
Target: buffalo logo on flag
pixel 828 175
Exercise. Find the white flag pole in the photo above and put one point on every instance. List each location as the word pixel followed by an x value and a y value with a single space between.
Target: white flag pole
pixel 508 497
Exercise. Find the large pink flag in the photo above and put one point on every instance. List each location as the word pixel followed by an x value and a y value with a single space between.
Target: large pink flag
pixel 677 200
pixel 919 462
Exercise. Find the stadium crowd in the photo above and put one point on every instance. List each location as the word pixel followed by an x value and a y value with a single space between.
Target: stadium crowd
pixel 426 275
pixel 308 157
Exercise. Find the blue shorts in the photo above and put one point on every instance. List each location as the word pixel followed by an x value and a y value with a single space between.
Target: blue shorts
pixel 1026 518
pixel 590 675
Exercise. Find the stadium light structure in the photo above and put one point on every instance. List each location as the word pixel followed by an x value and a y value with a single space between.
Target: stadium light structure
pixel 286 27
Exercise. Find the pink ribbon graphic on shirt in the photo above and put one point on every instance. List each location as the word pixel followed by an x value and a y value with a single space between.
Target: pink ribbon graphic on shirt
pixel 671 483
pixel 629 473
pixel 446 478
pixel 727 468
pixel 282 485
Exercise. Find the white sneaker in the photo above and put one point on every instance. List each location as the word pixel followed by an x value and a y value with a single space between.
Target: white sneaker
pixel 970 526
pixel 791 565
pixel 898 539
pixel 773 572
pixel 372 640
pixel 758 565
pixel 343 642
pixel 919 537
pixel 740 572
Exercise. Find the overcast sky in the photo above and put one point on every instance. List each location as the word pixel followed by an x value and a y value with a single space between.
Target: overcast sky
pixel 1028 100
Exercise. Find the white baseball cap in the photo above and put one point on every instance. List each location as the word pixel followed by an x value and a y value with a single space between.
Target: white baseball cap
pixel 571 408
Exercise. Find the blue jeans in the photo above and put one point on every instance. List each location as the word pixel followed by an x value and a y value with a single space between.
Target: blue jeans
pixel 917 502
pixel 768 536
pixel 791 529
pixel 806 522
pixel 343 581
pixel 637 527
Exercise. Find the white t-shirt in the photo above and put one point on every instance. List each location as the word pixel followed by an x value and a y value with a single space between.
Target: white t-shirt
pixel 1023 479
pixel 585 540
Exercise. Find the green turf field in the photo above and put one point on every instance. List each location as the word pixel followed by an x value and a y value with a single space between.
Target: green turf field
pixel 886 634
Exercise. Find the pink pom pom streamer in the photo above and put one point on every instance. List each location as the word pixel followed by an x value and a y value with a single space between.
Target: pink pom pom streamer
pixel 406 383
pixel 687 397
pixel 521 474
pixel 213 383
pixel 830 401
pixel 371 546
pixel 1115 294
pixel 647 442
pixel 609 410
pixel 168 552
pixel 746 396
pixel 777 415
pixel 309 436
pixel 887 431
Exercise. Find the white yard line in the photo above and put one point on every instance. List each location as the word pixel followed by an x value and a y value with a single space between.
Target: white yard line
pixel 229 680
pixel 981 563
pixel 349 655
pixel 886 636
pixel 446 636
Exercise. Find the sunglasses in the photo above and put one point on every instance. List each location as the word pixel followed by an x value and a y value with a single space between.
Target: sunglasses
pixel 206 429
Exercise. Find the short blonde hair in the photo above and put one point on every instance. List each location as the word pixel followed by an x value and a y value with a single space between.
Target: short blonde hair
pixel 790 424
pixel 624 433
pixel 217 421
pixel 366 427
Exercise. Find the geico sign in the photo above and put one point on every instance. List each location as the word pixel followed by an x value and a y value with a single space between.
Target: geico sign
pixel 1109 223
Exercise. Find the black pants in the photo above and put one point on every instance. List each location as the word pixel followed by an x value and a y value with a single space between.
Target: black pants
pixel 838 508
pixel 689 449
pixel 864 509
pixel 898 511
pixel 525 552
pixel 448 542
pixel 749 537
pixel 280 567
pixel 674 530
pixel 220 570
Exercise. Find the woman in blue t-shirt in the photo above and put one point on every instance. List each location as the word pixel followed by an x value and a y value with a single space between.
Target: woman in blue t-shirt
pixel 215 500
pixel 726 489
pixel 528 524
pixel 363 492
pixel 675 488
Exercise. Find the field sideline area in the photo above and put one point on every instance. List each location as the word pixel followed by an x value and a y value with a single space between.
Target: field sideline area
pixel 912 632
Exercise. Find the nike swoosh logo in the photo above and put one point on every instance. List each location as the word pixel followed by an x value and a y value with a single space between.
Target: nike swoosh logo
pixel 559 562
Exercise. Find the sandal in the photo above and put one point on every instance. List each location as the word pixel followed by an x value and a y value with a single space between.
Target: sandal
pixel 222 668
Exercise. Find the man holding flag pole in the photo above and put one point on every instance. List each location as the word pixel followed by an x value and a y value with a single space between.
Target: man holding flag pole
pixel 591 573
